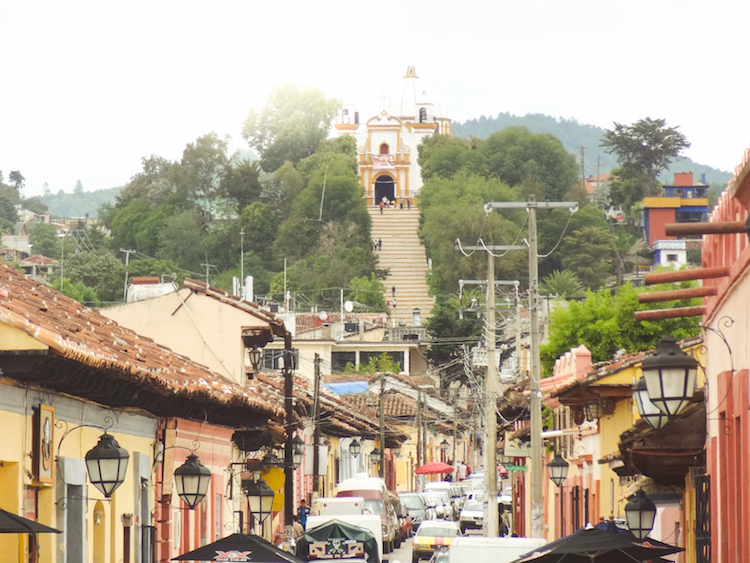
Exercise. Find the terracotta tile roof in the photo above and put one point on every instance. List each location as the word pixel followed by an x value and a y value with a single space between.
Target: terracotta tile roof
pixel 276 324
pixel 160 379
pixel 39 260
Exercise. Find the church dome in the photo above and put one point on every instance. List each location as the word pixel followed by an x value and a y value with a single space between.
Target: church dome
pixel 411 96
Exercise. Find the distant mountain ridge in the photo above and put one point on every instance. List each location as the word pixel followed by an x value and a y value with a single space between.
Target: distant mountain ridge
pixel 573 135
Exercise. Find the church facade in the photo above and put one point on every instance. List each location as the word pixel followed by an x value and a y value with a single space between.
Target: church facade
pixel 387 142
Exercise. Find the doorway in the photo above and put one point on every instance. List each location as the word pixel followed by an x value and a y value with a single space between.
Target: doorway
pixel 385 187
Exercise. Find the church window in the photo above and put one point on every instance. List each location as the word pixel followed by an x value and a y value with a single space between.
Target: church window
pixel 345 116
pixel 384 148
pixel 422 115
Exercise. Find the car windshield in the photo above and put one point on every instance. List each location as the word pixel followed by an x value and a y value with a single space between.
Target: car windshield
pixel 374 506
pixel 434 500
pixel 474 505
pixel 431 529
pixel 413 502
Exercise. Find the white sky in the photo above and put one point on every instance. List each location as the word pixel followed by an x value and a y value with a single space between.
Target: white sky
pixel 89 88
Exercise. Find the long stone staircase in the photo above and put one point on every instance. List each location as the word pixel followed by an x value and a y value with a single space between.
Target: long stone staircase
pixel 403 254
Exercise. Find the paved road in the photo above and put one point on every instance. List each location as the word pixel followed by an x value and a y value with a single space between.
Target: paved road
pixel 402 554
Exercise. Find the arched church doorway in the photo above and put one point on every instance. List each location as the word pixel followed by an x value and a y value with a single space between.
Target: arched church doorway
pixel 385 187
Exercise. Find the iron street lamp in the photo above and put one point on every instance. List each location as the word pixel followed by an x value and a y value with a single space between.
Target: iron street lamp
pixel 648 411
pixel 444 445
pixel 640 513
pixel 192 479
pixel 396 450
pixel 107 464
pixel 558 471
pixel 503 459
pixel 256 357
pixel 259 499
pixel 375 456
pixel 298 451
pixel 355 448
pixel 670 376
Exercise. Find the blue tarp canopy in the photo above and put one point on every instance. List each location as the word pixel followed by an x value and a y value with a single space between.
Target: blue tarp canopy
pixel 348 387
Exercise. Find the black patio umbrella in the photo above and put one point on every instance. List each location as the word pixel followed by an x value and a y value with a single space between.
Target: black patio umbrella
pixel 240 548
pixel 14 524
pixel 336 539
pixel 592 545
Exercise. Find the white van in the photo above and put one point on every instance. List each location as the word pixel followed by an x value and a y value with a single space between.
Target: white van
pixel 375 493
pixel 490 550
pixel 340 506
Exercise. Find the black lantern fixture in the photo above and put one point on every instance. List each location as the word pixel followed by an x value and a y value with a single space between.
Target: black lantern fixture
pixel 648 411
pixel 375 456
pixel 444 445
pixel 270 459
pixel 670 376
pixel 259 499
pixel 298 451
pixel 396 450
pixel 592 411
pixel 640 513
pixel 503 459
pixel 191 480
pixel 256 357
pixel 107 464
pixel 558 470
pixel 355 448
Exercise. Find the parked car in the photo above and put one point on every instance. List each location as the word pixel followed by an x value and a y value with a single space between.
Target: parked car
pixel 375 493
pixel 440 504
pixel 472 516
pixel 416 506
pixel 431 536
pixel 406 526
pixel 440 556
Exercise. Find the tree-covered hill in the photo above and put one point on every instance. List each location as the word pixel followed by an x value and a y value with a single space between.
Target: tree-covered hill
pixel 79 204
pixel 574 135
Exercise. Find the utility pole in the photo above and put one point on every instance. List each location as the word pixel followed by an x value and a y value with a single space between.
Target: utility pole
pixel 491 523
pixel 288 446
pixel 208 271
pixel 381 469
pixel 583 170
pixel 127 261
pixel 242 264
pixel 316 430
pixel 420 458
pixel 535 406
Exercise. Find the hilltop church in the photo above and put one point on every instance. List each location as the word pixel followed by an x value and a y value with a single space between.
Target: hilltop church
pixel 387 142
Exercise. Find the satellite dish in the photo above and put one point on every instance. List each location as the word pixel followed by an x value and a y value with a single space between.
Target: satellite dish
pixel 323 316
pixel 348 306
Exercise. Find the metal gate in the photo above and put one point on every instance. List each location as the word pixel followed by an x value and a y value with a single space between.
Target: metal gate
pixel 148 544
pixel 702 517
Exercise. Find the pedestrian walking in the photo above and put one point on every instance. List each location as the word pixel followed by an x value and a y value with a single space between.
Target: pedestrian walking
pixel 380 244
pixel 382 205
pixel 394 304
pixel 302 513
pixel 408 204
pixel 393 291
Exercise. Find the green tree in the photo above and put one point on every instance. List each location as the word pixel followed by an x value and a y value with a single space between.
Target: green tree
pixel 646 147
pixel 589 255
pixel 564 284
pixel 102 272
pixel 36 205
pixel 182 240
pixel 78 189
pixel 449 333
pixel 260 226
pixel 8 209
pixel 516 155
pixel 44 240
pixel 444 156
pixel 202 172
pixel 17 179
pixel 452 208
pixel 241 184
pixel 368 291
pixel 78 291
pixel 605 323
pixel 290 126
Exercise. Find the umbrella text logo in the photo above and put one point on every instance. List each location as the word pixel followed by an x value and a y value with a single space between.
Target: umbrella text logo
pixel 233 555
